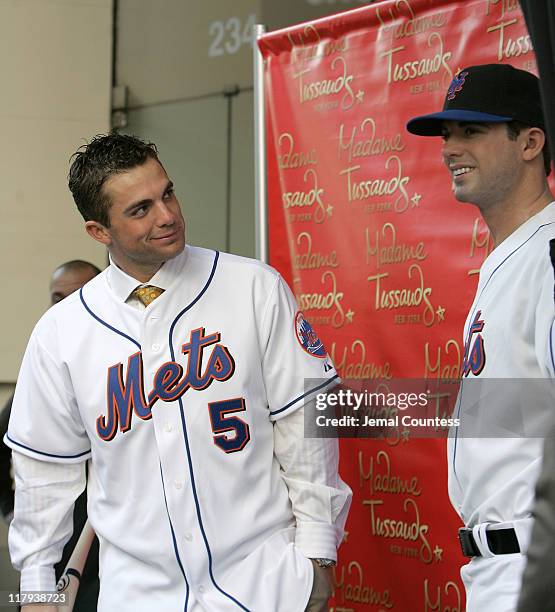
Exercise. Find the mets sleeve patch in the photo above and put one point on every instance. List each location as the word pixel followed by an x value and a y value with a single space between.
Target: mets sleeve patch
pixel 307 337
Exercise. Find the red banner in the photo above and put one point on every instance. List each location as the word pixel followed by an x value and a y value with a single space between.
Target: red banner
pixel 382 259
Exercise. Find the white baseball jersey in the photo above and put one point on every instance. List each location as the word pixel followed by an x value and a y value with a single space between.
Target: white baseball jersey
pixel 175 406
pixel 508 335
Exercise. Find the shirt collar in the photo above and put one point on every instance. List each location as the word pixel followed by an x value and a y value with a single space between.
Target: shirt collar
pixel 122 284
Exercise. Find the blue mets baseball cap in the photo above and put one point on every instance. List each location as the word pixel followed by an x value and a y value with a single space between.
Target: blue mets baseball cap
pixel 489 93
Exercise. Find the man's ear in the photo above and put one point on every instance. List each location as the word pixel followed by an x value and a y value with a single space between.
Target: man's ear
pixel 99 232
pixel 533 143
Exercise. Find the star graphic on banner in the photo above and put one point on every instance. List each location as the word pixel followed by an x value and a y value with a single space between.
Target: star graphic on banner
pixel 345 536
pixel 440 312
pixel 360 96
pixel 415 200
pixel 405 434
pixel 438 552
pixel 349 316
pixel 329 210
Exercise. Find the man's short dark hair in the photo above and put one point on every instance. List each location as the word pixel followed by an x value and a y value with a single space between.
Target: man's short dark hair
pixel 94 163
pixel 515 127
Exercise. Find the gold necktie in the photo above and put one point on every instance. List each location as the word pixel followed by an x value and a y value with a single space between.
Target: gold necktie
pixel 147 293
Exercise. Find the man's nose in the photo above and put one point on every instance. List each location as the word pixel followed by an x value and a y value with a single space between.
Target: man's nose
pixel 164 215
pixel 451 148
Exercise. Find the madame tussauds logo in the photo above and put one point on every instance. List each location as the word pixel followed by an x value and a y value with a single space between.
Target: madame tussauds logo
pixel 313 90
pixel 312 260
pixel 506 6
pixel 410 528
pixel 307 198
pixel 330 301
pixel 368 143
pixel 353 364
pixel 400 21
pixel 386 250
pixel 308 45
pixel 353 588
pixel 387 298
pixel 370 187
pixel 420 67
pixel 289 157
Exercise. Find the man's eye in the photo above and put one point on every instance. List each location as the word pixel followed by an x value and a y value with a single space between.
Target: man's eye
pixel 469 131
pixel 169 194
pixel 140 212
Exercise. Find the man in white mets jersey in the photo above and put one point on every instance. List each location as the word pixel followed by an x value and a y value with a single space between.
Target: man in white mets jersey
pixel 180 373
pixel 494 146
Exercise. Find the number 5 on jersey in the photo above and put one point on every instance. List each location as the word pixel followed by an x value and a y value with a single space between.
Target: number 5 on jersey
pixel 223 424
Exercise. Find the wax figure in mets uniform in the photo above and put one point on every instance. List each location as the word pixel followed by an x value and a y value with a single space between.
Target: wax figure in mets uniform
pixel 494 147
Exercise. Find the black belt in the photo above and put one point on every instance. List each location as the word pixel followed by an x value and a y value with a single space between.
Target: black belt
pixel 500 542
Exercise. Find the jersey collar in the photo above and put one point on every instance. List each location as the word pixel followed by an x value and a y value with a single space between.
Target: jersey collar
pixel 122 284
pixel 513 242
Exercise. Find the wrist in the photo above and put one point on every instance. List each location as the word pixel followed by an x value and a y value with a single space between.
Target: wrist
pixel 323 562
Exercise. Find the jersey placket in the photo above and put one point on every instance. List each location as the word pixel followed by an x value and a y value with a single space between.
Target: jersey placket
pixel 171 431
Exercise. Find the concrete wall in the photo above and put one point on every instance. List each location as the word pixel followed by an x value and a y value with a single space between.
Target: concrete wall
pixel 55 62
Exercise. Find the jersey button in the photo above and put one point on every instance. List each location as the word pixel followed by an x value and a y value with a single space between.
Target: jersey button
pixel 178 484
pixel 201 589
pixel 155 347
pixel 188 537
pixel 169 427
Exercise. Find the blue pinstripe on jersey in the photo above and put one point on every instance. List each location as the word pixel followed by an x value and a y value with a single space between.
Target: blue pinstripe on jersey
pixel 186 439
pixel 48 454
pixel 174 542
pixel 110 327
pixel 291 403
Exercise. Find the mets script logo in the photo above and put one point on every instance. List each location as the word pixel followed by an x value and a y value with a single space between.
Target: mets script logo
pixel 474 353
pixel 127 397
pixel 456 85
pixel 307 337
